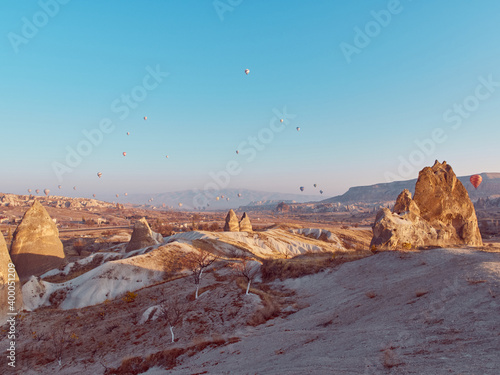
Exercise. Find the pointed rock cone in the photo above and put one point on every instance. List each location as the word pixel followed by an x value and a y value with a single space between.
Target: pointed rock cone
pixel 143 236
pixel 245 224
pixel 232 223
pixel 36 247
pixel 8 274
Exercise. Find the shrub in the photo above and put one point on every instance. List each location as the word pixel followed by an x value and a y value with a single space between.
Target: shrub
pixel 298 266
pixel 129 297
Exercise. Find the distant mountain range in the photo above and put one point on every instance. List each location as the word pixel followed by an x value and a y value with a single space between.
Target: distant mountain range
pixel 490 187
pixel 197 198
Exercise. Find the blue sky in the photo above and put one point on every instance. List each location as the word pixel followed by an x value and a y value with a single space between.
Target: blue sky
pixel 418 70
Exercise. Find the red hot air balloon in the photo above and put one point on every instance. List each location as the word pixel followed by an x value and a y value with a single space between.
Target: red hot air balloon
pixel 475 180
pixel 124 153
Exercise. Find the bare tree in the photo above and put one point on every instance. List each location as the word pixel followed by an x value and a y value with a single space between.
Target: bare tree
pixel 248 269
pixel 172 311
pixel 197 261
pixel 58 341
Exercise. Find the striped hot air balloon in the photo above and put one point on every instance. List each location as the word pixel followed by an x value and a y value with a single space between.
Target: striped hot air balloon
pixel 475 180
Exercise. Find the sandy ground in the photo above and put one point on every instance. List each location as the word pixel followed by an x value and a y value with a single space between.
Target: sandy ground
pixel 417 312
pixel 428 312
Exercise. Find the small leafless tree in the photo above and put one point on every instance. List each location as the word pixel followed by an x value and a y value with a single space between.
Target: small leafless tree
pixel 248 269
pixel 197 261
pixel 59 338
pixel 172 311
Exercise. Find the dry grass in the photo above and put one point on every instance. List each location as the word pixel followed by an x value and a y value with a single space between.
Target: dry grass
pixel 167 359
pixel 298 266
pixel 306 264
pixel 77 270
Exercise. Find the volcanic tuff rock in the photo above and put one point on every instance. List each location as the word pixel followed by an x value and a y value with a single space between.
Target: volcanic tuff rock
pixel 4 280
pixel 232 223
pixel 440 214
pixel 245 224
pixel 36 247
pixel 143 236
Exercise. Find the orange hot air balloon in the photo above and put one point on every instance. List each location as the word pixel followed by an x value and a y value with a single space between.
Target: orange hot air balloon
pixel 124 153
pixel 475 180
pixel 128 133
pixel 145 117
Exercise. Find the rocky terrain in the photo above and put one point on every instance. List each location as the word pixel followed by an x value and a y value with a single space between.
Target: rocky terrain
pixel 284 290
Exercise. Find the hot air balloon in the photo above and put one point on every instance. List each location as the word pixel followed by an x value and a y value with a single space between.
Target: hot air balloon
pixel 46 191
pixel 29 191
pixel 117 195
pixel 216 198
pixel 227 198
pixel 222 196
pixel 128 133
pixel 37 191
pixel 315 185
pixel 237 152
pixel 74 187
pixel 126 194
pixel 93 195
pixel 166 156
pixel 302 188
pixel 60 186
pixel 180 204
pixel 99 174
pixel 475 180
pixel 298 129
pixel 281 120
pixel 145 117
pixel 164 205
pixel 247 71
pixel 239 195
pixel 321 191
pixel 124 153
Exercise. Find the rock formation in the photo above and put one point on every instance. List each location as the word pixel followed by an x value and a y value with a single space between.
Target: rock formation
pixel 440 214
pixel 143 236
pixel 245 224
pixel 36 247
pixel 232 223
pixel 8 274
